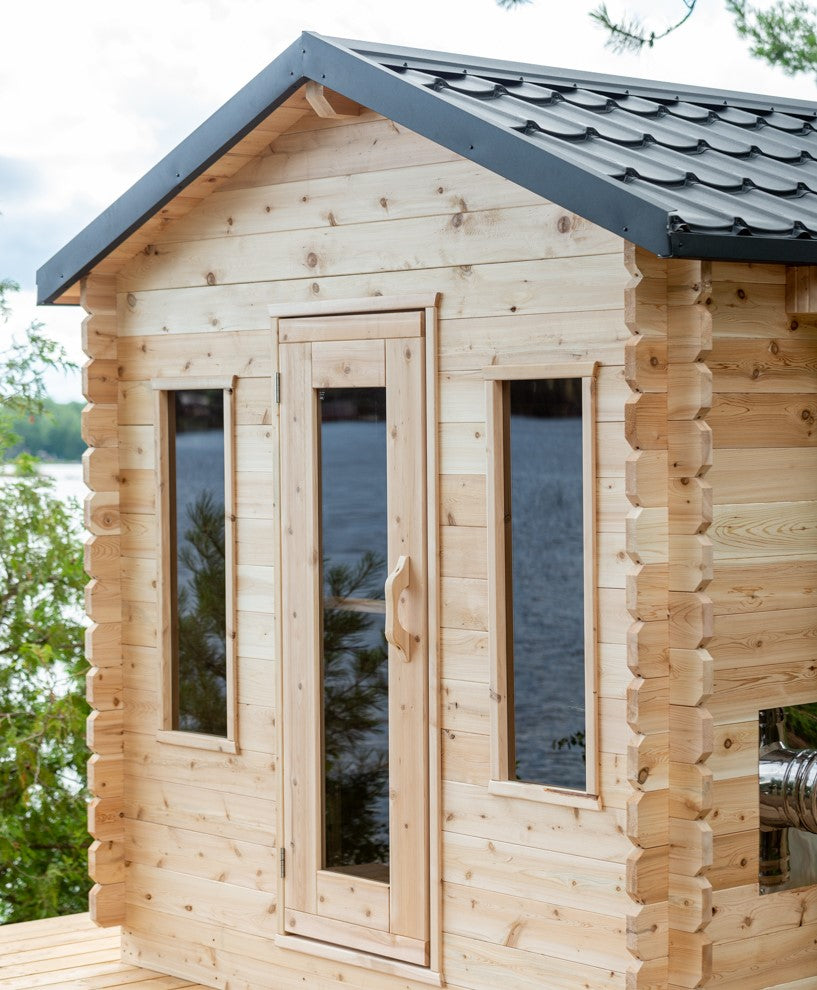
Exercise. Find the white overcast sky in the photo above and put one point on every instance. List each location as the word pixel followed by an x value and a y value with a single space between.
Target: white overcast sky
pixel 95 92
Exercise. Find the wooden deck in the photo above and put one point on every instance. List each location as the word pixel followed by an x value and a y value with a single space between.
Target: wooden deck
pixel 71 953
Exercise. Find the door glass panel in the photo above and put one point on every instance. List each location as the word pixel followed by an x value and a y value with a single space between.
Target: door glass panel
pixel 546 605
pixel 354 668
pixel 199 597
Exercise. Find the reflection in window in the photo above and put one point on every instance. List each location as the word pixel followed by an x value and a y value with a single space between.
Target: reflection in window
pixel 197 565
pixel 545 582
pixel 355 692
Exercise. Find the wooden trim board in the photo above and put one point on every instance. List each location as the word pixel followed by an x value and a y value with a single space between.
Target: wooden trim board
pixel 500 588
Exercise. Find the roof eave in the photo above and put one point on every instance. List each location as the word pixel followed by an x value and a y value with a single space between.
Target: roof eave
pixel 750 248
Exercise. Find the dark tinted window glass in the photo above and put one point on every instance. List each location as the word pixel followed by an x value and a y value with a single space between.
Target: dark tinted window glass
pixel 355 688
pixel 197 509
pixel 546 567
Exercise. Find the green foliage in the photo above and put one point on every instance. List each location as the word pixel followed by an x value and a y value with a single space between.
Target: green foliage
pixel 355 699
pixel 801 726
pixel 576 740
pixel 53 434
pixel 43 836
pixel 784 35
pixel 629 34
pixel 202 621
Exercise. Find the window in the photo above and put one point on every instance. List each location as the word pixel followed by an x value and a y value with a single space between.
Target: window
pixel 196 554
pixel 542 582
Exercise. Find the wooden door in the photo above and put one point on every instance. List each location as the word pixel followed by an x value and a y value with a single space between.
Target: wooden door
pixel 354 631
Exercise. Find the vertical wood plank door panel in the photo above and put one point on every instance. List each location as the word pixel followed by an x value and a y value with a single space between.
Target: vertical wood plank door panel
pixel 357 852
pixel 300 607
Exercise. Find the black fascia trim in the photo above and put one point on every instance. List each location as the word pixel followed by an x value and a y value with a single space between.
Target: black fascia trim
pixel 749 247
pixel 212 139
pixel 511 154
pixel 649 89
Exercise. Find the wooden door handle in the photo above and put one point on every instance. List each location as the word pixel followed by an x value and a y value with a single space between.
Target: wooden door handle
pixel 396 583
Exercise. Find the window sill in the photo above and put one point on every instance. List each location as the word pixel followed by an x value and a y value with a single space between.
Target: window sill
pixel 197 740
pixel 353 957
pixel 544 795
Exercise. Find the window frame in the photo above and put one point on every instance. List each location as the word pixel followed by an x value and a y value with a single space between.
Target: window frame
pixel 501 782
pixel 163 389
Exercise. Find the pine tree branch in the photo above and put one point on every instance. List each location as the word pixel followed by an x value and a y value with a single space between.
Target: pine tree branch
pixel 785 35
pixel 629 34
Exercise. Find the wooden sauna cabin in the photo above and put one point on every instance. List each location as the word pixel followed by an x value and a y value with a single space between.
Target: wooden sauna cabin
pixel 453 460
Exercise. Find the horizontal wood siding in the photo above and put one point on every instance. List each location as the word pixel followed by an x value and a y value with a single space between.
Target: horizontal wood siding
pixel 764 481
pixel 533 894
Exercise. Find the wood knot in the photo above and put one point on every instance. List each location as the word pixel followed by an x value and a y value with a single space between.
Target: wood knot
pixel 229 221
pixel 211 278
pixel 643 774
pixel 727 743
pixel 654 361
pixel 312 259
pixel 456 220
pixel 131 300
pixel 563 224
pixel 741 293
pixel 794 325
pixel 774 347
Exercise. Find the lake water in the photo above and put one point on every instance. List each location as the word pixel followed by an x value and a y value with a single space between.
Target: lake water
pixel 68 481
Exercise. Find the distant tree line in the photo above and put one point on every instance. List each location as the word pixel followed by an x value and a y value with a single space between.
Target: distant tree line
pixel 52 433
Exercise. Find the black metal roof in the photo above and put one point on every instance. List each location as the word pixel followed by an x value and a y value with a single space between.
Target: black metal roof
pixel 683 172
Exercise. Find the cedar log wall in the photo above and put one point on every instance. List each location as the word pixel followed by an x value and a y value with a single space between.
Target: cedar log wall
pixel 763 593
pixel 103 642
pixel 534 895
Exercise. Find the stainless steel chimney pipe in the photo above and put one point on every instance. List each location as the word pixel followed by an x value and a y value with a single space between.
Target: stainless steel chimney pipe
pixel 788 796
pixel 788 779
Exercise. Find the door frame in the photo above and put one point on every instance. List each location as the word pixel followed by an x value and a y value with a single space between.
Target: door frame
pixel 427 303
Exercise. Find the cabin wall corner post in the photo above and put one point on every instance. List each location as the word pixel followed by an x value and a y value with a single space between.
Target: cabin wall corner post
pixel 689 397
pixel 103 601
pixel 648 635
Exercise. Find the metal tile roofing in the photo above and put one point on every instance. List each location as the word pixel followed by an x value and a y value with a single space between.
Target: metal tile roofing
pixel 682 172
pixel 716 162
